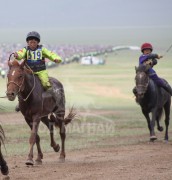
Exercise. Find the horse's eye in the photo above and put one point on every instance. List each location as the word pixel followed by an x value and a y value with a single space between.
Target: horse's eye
pixel 20 76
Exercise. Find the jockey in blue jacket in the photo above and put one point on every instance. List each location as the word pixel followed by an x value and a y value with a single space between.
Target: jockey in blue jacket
pixel 148 58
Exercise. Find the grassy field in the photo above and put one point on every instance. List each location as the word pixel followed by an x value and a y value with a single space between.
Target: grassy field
pixel 102 96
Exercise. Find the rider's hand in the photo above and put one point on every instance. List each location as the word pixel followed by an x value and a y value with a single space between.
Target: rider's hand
pixel 159 56
pixel 16 55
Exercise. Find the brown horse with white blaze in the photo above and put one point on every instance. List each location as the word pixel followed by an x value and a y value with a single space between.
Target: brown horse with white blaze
pixel 36 104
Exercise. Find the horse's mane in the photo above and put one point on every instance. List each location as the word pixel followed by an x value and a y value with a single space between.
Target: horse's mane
pixel 15 63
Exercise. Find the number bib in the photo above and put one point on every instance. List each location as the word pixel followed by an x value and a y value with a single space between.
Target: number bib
pixel 34 55
pixel 35 59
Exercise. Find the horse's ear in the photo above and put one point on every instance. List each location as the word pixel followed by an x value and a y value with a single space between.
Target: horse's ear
pixel 23 64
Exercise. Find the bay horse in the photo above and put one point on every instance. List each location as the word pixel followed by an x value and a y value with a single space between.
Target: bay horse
pixel 36 105
pixel 152 99
pixel 3 163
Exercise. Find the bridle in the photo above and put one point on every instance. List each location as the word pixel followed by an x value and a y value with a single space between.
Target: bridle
pixel 13 82
pixel 143 85
pixel 20 86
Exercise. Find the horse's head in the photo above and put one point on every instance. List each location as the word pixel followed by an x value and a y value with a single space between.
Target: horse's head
pixel 142 80
pixel 15 79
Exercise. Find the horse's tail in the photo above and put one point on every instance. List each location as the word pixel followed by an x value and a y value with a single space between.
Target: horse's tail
pixel 58 120
pixel 70 116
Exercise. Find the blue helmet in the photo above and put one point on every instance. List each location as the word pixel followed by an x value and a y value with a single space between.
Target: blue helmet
pixel 33 35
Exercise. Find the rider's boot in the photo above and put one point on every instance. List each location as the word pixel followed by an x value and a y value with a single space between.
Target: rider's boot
pixel 17 109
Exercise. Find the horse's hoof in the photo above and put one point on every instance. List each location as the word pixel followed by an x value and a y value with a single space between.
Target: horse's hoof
pixel 29 162
pixel 166 141
pixel 56 148
pixel 160 128
pixel 38 162
pixel 4 170
pixel 61 159
pixel 153 138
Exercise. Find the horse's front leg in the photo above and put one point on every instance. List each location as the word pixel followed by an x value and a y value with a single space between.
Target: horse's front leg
pixel 40 154
pixel 146 114
pixel 32 141
pixel 167 119
pixel 152 123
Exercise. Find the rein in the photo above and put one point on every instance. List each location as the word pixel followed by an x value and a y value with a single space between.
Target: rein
pixel 32 87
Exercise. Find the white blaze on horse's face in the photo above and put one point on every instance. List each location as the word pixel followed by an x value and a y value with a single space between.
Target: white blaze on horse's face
pixel 141 83
pixel 140 75
pixel 13 73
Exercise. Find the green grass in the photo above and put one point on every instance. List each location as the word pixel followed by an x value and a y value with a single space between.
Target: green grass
pixel 92 89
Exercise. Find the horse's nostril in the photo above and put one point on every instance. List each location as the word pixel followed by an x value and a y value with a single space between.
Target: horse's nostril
pixel 10 95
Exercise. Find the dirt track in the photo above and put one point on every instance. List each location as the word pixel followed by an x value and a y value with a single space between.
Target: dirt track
pixel 136 162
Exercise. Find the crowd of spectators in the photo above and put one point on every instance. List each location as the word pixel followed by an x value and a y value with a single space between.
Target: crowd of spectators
pixel 69 53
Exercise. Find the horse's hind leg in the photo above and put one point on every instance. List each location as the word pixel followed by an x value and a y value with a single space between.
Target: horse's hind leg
pixel 159 114
pixel 50 126
pixel 167 119
pixel 63 137
pixel 61 125
pixel 3 164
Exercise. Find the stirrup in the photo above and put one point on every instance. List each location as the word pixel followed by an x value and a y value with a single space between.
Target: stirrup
pixel 17 109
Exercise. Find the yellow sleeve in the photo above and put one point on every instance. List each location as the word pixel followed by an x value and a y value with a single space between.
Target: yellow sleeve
pixel 21 54
pixel 50 55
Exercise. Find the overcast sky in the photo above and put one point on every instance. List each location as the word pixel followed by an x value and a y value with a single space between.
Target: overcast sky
pixel 84 13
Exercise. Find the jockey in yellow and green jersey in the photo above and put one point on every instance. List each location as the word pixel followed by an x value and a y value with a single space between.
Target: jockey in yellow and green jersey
pixel 35 55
